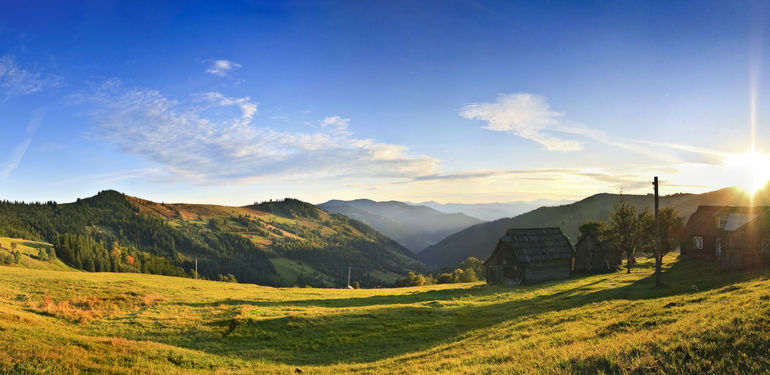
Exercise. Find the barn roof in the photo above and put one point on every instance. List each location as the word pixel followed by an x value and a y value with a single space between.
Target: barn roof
pixel 536 244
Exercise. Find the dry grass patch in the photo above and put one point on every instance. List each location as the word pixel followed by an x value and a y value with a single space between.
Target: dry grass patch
pixel 89 308
pixel 79 311
pixel 151 299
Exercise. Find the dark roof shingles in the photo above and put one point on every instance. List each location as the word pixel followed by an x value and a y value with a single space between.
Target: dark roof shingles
pixel 536 244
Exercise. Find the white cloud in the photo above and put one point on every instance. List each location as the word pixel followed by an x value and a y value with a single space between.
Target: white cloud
pixel 525 115
pixel 16 81
pixel 336 121
pixel 191 143
pixel 222 67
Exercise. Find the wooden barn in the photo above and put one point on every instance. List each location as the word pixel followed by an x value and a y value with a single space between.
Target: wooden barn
pixel 530 255
pixel 593 255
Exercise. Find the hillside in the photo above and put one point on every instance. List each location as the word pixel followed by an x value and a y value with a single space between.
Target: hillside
pixel 492 211
pixel 30 255
pixel 414 227
pixel 286 242
pixel 703 322
pixel 479 241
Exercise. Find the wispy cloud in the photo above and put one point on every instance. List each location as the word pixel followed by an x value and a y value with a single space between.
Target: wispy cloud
pixel 222 68
pixel 16 81
pixel 190 142
pixel 247 107
pixel 530 116
pixel 613 178
pixel 18 152
pixel 525 115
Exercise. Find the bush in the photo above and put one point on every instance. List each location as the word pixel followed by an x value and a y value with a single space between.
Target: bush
pixel 17 257
pixel 467 276
pixel 5 259
pixel 444 278
pixel 413 279
pixel 229 278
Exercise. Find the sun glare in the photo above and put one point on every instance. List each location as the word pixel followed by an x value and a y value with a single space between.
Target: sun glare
pixel 750 171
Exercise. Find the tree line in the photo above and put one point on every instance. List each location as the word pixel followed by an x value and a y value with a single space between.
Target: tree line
pixel 468 271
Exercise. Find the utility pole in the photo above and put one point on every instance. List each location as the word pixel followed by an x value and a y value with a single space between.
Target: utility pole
pixel 658 250
pixel 196 268
pixel 29 260
pixel 349 276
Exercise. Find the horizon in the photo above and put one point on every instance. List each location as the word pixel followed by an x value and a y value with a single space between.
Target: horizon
pixel 459 102
pixel 545 202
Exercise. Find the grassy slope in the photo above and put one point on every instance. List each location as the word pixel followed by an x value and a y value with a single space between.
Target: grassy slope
pixel 703 322
pixel 32 248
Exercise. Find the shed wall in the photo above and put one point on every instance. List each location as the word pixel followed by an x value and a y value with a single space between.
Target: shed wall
pixel 547 270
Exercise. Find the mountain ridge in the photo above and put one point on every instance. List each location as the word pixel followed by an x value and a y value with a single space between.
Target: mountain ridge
pixel 492 211
pixel 414 227
pixel 283 243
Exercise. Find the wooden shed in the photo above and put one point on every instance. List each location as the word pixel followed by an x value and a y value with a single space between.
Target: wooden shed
pixel 530 255
pixel 593 255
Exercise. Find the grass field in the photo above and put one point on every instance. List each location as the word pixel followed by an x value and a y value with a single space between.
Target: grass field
pixel 702 322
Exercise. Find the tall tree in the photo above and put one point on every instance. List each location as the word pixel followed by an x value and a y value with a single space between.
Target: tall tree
pixel 672 231
pixel 628 230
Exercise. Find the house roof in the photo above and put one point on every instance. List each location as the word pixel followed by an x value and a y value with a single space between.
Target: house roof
pixel 703 220
pixel 536 244
pixel 737 220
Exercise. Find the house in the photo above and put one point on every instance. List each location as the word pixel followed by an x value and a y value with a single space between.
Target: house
pixel 593 255
pixel 530 255
pixel 748 246
pixel 736 236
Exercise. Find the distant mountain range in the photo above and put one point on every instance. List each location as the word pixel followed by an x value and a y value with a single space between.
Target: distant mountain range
pixel 413 226
pixel 491 211
pixel 479 240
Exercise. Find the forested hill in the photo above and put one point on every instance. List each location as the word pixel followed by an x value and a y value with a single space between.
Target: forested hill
pixel 285 242
pixel 479 240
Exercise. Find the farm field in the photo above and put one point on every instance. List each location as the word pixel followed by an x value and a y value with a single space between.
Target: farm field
pixel 79 322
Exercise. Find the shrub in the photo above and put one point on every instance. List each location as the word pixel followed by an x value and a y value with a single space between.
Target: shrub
pixel 5 259
pixel 229 278
pixel 413 279
pixel 444 278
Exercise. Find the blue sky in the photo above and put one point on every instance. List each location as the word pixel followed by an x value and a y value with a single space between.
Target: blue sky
pixel 456 101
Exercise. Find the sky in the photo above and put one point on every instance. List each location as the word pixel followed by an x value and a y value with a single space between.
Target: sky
pixel 234 102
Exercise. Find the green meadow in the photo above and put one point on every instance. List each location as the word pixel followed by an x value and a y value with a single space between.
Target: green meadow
pixel 79 322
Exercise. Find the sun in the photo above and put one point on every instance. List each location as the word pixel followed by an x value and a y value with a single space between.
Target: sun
pixel 750 171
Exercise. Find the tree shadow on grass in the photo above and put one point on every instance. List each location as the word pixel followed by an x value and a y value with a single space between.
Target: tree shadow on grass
pixel 380 327
pixel 34 245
